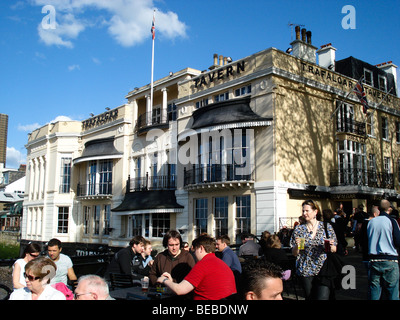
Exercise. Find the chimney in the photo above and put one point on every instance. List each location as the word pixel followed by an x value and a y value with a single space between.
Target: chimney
pixel 221 60
pixel 302 48
pixel 390 68
pixel 327 56
pixel 215 65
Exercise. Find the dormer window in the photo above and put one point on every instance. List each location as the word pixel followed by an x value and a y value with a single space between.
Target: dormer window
pixel 382 83
pixel 368 79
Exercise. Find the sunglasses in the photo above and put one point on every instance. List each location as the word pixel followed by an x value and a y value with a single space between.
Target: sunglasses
pixel 31 278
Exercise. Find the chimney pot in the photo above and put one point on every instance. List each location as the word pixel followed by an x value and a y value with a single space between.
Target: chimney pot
pixel 308 37
pixel 221 58
pixel 297 29
pixel 303 34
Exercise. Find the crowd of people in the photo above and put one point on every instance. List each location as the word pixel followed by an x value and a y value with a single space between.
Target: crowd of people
pixel 209 269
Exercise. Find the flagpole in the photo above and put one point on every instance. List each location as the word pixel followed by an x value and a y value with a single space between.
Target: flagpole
pixel 345 98
pixel 152 66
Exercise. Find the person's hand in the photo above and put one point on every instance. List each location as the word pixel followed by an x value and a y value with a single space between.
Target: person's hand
pixel 164 276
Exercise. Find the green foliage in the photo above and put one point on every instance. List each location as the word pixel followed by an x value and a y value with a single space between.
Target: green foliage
pixel 9 251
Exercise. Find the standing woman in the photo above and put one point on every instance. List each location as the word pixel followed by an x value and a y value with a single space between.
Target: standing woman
pixel 310 260
pixel 31 252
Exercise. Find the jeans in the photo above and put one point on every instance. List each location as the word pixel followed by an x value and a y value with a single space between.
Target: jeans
pixel 383 274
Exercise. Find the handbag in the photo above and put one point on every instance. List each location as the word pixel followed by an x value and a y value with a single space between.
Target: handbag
pixel 331 272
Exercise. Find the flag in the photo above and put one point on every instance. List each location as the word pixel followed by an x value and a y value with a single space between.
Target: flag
pixel 359 91
pixel 153 29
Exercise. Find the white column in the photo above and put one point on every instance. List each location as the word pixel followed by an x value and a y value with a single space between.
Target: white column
pixel 164 105
pixel 148 110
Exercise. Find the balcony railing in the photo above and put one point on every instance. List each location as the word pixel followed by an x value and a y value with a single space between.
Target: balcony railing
pixel 151 119
pixel 94 189
pixel 159 182
pixel 359 177
pixel 351 126
pixel 217 173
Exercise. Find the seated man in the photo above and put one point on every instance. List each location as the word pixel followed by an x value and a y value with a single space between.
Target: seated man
pixel 129 260
pixel 65 270
pixel 210 278
pixel 173 259
pixel 261 280
pixel 228 256
pixel 249 247
pixel 92 287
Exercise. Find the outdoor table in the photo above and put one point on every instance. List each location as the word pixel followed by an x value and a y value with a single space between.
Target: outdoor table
pixel 136 293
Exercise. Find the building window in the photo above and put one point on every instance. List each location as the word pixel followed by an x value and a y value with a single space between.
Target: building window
pixel 398 132
pixel 221 215
pixel 370 126
pixel 352 163
pixel 65 178
pixel 243 214
pixel 398 171
pixel 156 116
pixel 221 97
pixel 382 82
pixel 160 224
pixel 202 103
pixel 63 215
pixel 201 216
pixel 243 91
pixel 368 79
pixel 171 111
pixel 386 165
pixel 99 177
pixel 86 220
pixel 96 218
pixel 107 219
pixel 385 129
pixel 137 225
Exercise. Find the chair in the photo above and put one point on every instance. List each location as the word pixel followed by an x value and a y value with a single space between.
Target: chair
pixel 289 277
pixel 118 280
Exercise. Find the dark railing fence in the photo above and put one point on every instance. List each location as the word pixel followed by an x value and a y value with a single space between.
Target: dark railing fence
pixel 216 173
pixel 351 126
pixel 151 119
pixel 158 182
pixel 361 177
pixel 94 189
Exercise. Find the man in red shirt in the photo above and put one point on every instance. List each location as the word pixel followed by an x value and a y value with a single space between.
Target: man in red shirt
pixel 210 278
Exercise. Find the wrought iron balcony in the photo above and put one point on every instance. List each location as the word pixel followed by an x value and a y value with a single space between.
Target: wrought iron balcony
pixel 359 177
pixel 94 189
pixel 148 119
pixel 351 126
pixel 216 173
pixel 159 182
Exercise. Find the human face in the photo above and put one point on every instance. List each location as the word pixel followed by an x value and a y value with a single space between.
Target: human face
pixel 147 250
pixel 138 248
pixel 308 213
pixel 220 245
pixel 54 252
pixel 173 246
pixel 33 282
pixel 82 292
pixel 31 256
pixel 273 288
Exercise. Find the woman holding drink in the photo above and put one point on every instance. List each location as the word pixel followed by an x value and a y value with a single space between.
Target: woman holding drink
pixel 308 245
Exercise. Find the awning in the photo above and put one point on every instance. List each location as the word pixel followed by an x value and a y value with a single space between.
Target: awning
pixel 233 113
pixel 149 201
pixel 99 149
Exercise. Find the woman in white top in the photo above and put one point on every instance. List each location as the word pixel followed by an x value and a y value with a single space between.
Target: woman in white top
pixel 38 273
pixel 31 252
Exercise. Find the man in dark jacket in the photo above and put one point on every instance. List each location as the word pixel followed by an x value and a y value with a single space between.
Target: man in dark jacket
pixel 129 260
pixel 173 259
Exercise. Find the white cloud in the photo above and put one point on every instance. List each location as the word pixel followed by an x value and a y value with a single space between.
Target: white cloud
pixel 28 127
pixel 14 158
pixel 127 21
pixel 34 126
pixel 74 67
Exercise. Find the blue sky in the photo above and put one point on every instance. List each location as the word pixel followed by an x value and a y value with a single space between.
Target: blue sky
pixel 101 49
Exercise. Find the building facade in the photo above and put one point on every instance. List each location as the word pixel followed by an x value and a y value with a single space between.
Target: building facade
pixel 232 149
